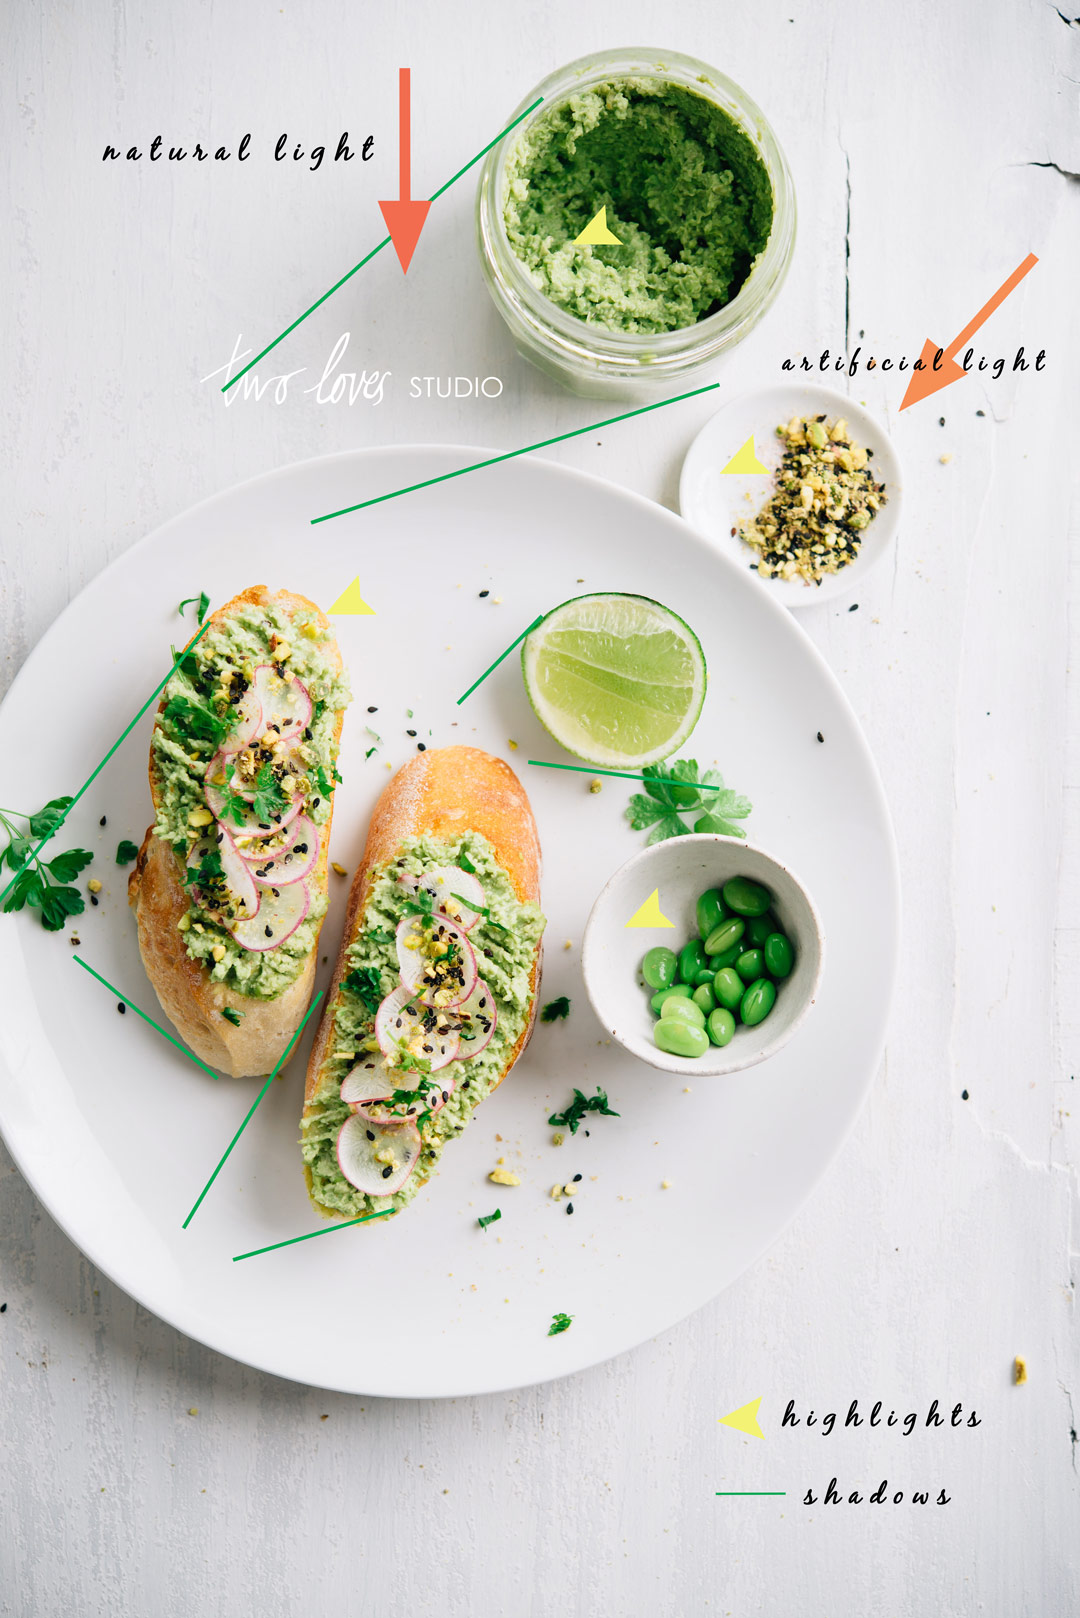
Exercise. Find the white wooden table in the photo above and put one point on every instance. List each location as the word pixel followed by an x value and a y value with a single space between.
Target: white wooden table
pixel 932 147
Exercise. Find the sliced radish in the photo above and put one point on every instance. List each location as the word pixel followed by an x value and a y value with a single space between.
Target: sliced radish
pixel 234 895
pixel 377 1158
pixel 477 1017
pixel 294 864
pixel 435 1099
pixel 247 719
pixel 402 1021
pixel 369 1080
pixel 451 888
pixel 280 912
pixel 249 824
pixel 258 850
pixel 286 706
pixel 221 777
pixel 435 957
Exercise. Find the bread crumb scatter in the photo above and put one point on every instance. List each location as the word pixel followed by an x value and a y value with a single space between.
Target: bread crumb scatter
pixel 1019 1370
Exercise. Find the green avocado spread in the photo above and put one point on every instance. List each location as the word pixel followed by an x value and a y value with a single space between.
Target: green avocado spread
pixel 686 193
pixel 505 942
pixel 198 711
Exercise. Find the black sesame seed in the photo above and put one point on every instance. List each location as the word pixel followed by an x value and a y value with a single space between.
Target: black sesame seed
pixel 446 1095
pixel 121 1008
pixel 370 1133
pixel 373 710
pixel 569 1207
pixel 820 737
pixel 854 607
pixel 577 1177
pixel 410 733
pixel 268 932
pixel 980 412
pixel 941 421
pixel 101 822
pixel 421 747
pixel 964 1095
pixel 387 1171
pixel 484 593
pixel 93 899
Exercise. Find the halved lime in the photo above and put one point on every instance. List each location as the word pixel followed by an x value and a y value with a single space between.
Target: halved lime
pixel 616 679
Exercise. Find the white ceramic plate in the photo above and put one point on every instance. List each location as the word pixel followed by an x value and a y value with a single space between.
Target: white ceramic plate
pixel 117 1132
pixel 716 501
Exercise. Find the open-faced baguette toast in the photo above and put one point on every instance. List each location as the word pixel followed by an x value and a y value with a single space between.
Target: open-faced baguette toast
pixel 241 1033
pixel 454 803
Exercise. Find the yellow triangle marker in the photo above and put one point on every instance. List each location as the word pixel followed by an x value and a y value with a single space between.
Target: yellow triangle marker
pixel 650 914
pixel 596 233
pixel 744 1420
pixel 350 603
pixel 745 460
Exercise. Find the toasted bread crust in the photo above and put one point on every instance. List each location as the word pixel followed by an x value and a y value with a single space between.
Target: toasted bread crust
pixel 188 996
pixel 441 794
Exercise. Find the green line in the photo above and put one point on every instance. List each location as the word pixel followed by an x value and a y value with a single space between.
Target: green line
pixel 94 775
pixel 499 659
pixel 724 1493
pixel 327 1230
pixel 665 780
pixel 510 455
pixel 378 249
pixel 251 1110
pixel 123 997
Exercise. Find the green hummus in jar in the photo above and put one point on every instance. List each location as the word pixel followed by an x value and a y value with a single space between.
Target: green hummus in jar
pixel 685 189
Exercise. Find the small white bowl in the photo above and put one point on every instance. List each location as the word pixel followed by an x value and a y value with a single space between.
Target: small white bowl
pixel 681 869
pixel 715 502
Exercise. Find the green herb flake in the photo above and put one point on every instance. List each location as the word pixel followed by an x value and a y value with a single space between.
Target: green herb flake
pixel 196 722
pixel 559 1323
pixel 582 1104
pixel 126 851
pixel 466 863
pixel 484 1220
pixel 365 983
pixel 269 799
pixel 556 1009
pixel 203 600
pixel 231 1014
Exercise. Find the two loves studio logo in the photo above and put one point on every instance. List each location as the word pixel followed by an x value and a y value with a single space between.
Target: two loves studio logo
pixel 833 1493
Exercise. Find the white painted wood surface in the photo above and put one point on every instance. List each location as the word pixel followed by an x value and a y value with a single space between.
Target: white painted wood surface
pixel 943 143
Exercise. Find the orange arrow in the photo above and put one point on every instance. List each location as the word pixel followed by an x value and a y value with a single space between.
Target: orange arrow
pixel 939 365
pixel 404 217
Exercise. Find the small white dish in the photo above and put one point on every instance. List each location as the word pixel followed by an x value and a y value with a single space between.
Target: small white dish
pixel 716 502
pixel 680 870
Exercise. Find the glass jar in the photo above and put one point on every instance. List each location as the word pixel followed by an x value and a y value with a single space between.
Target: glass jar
pixel 596 360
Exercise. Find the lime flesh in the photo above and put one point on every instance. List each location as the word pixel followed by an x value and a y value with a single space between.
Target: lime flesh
pixel 617 679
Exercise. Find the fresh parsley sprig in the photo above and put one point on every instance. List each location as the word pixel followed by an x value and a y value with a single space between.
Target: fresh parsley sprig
pixel 689 793
pixel 195 721
pixel 559 1323
pixel 42 884
pixel 366 983
pixel 556 1009
pixel 582 1104
pixel 270 798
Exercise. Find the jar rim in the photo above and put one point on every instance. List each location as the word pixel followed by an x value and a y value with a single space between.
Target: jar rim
pixel 591 342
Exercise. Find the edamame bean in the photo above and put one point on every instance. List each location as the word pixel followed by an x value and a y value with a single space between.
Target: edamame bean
pixel 680 990
pixel 729 987
pixel 659 966
pixel 706 974
pixel 759 929
pixel 751 965
pixel 721 938
pixel 680 1038
pixel 711 911
pixel 703 996
pixel 779 955
pixel 682 1011
pixel 721 1026
pixel 727 957
pixel 746 898
pixel 757 1002
pixel 691 961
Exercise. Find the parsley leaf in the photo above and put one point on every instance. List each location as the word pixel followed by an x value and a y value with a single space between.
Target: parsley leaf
pixel 484 1220
pixel 366 983
pixel 195 721
pixel 207 872
pixel 672 790
pixel 580 1105
pixel 269 798
pixel 126 851
pixel 555 1009
pixel 48 819
pixel 203 600
pixel 559 1323
pixel 65 867
pixel 233 806
pixel 466 863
